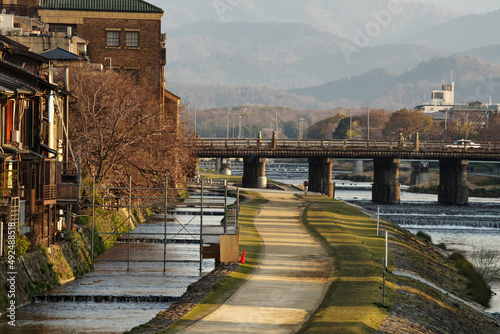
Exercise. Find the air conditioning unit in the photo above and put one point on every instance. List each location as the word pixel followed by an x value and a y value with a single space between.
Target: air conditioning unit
pixel 15 136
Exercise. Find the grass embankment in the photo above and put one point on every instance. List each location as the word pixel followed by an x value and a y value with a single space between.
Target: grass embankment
pixel 250 241
pixel 353 303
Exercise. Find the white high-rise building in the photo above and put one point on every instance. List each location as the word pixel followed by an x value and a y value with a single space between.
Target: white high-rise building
pixel 441 100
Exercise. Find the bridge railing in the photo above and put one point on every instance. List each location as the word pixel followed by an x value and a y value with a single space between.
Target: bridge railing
pixel 423 145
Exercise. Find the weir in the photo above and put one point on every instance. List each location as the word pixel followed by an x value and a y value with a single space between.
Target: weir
pixel 103 299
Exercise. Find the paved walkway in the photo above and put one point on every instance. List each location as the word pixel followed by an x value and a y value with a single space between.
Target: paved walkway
pixel 290 283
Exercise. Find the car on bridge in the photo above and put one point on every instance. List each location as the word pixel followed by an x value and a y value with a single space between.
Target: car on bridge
pixel 464 143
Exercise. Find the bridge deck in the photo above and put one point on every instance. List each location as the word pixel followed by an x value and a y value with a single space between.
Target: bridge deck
pixel 307 148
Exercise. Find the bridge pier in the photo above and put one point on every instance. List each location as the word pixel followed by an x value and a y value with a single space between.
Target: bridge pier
pixel 320 175
pixel 217 165
pixel 419 172
pixel 385 188
pixel 357 167
pixel 254 172
pixel 453 187
pixel 225 167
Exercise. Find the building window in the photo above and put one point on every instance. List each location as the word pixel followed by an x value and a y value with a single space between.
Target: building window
pixel 132 40
pixel 113 38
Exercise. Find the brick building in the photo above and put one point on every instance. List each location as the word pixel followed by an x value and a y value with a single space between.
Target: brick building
pixel 122 34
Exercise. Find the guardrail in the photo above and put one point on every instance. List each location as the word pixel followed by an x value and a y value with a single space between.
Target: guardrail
pixel 206 182
pixel 297 144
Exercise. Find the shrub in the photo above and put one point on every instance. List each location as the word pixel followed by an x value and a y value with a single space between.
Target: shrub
pixel 487 263
pixel 442 245
pixel 424 236
pixel 477 287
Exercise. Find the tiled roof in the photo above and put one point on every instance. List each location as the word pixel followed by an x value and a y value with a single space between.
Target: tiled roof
pixel 60 54
pixel 10 86
pixel 136 6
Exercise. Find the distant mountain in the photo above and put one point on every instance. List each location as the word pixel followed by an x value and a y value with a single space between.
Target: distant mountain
pixel 475 80
pixel 489 53
pixel 206 96
pixel 460 34
pixel 274 54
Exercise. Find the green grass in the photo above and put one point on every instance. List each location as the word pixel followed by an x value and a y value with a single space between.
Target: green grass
pixel 353 303
pixel 250 241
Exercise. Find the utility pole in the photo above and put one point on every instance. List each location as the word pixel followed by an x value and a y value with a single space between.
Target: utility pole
pixel 195 120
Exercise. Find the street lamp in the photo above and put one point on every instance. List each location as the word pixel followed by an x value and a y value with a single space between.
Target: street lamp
pixel 368 127
pixel 301 132
pixel 195 119
pixel 276 121
pixel 350 124
pixel 446 125
pixel 227 123
pixel 239 126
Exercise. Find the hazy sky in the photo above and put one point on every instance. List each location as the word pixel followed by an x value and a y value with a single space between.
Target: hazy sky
pixel 465 6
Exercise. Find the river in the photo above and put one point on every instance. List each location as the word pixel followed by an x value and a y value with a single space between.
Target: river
pixel 137 294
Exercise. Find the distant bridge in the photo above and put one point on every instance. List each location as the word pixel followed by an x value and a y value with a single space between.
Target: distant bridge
pixel 386 155
pixel 335 148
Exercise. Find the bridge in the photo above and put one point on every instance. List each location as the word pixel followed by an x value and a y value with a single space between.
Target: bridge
pixel 386 155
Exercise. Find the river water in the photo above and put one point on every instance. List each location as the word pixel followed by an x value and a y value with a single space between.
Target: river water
pixel 137 294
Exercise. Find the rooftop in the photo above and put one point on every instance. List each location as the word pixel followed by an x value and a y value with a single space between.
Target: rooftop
pixel 60 54
pixel 136 6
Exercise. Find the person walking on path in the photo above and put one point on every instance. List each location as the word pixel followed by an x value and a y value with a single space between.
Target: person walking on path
pixel 306 186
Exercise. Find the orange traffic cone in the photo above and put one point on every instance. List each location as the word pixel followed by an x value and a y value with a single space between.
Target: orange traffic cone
pixel 242 260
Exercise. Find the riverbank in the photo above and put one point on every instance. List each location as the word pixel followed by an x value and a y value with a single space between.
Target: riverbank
pixel 411 306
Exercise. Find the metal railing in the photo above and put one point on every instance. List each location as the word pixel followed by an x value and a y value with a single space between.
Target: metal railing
pixel 339 144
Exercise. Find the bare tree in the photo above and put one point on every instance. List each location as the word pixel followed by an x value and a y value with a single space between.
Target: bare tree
pixel 119 129
pixel 486 262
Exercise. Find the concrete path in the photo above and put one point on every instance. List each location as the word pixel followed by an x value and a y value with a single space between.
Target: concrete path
pixel 290 283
